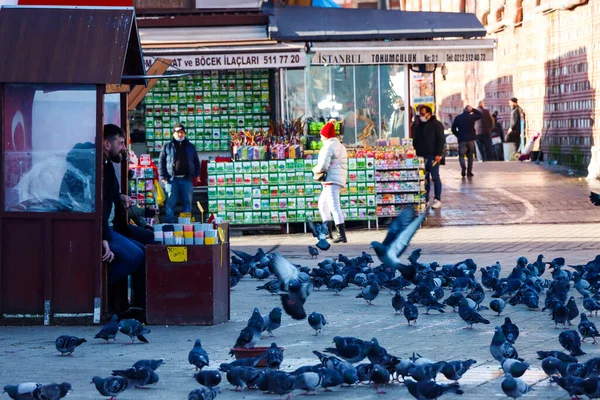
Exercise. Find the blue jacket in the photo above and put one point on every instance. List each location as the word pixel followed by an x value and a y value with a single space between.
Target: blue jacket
pixel 167 160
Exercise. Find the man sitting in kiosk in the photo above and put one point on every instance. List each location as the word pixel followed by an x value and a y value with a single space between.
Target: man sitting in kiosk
pixel 123 245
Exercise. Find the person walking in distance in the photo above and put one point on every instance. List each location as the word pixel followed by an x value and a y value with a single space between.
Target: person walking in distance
pixel 483 128
pixel 178 167
pixel 464 129
pixel 513 135
pixel 332 171
pixel 429 142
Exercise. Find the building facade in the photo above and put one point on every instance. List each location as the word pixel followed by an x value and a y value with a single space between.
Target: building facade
pixel 548 56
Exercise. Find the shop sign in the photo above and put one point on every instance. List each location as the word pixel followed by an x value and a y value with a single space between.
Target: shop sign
pixel 390 56
pixel 234 61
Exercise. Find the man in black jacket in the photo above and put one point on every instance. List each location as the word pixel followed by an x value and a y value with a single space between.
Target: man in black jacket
pixel 122 244
pixel 513 135
pixel 429 142
pixel 484 127
pixel 464 129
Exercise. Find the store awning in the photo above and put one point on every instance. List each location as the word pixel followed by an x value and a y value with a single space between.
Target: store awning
pixel 308 24
pixel 233 55
pixel 70 45
pixel 403 52
pixel 201 35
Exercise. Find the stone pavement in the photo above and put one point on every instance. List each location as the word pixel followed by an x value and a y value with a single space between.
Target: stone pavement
pixel 512 193
pixel 28 354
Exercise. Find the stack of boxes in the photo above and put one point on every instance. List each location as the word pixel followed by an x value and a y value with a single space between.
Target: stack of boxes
pixel 185 234
pixel 282 191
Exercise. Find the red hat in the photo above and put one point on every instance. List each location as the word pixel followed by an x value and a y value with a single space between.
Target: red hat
pixel 328 130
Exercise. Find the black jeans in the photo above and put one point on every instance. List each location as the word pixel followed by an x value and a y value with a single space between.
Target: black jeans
pixel 432 173
pixel 468 149
pixel 484 142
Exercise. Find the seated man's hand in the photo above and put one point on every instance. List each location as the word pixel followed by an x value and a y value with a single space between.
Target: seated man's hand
pixel 127 201
pixel 107 255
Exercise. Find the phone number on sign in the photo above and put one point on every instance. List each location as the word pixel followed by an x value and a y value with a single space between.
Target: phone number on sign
pixel 466 57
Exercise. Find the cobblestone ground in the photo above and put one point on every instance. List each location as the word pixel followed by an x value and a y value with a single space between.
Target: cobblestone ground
pixel 28 353
pixel 511 193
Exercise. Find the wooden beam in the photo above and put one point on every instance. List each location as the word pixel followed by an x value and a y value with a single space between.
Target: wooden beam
pixel 139 92
pixel 118 88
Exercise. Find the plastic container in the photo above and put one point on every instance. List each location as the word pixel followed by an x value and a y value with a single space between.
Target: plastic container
pixel 240 353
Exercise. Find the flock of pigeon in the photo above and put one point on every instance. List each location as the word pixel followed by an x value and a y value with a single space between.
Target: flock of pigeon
pixel 354 361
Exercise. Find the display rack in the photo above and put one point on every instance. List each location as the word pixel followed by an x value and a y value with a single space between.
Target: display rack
pixel 208 105
pixel 141 186
pixel 283 191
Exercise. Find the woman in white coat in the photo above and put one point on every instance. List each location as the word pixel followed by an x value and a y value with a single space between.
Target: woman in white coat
pixel 333 162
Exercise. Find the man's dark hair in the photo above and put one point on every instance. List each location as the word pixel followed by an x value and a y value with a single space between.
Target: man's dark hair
pixel 111 131
pixel 428 109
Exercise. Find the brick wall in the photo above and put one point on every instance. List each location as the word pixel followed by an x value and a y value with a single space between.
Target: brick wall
pixel 550 61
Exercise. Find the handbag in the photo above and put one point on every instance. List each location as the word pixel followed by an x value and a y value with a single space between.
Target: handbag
pixel 320 176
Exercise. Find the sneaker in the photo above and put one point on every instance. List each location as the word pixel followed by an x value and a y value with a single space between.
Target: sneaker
pixel 436 204
pixel 463 173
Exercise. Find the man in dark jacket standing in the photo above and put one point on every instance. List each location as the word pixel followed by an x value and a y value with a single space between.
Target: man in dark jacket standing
pixel 178 167
pixel 513 135
pixel 429 142
pixel 464 129
pixel 483 128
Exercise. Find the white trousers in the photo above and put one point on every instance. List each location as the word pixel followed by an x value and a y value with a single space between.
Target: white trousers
pixel 329 204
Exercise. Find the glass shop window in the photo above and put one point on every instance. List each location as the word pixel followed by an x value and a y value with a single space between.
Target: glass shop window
pixel 295 99
pixel 49 153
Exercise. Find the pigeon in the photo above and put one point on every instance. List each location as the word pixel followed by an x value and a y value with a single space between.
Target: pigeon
pixel 411 312
pixel 256 320
pixel 398 302
pixel 350 348
pixel 273 320
pixel 515 368
pixel 248 338
pixel 379 376
pixel 272 286
pixel 66 344
pixel 281 383
pixel 22 390
pixel 367 257
pixel 53 391
pixel 379 355
pixel 558 354
pixel 401 230
pixel 454 300
pixel 590 304
pixel 369 293
pixel 497 305
pixel 317 322
pixel 425 372
pixel 319 231
pixel 429 390
pixel 510 330
pixel 273 356
pixel 152 364
pixel 298 287
pixel 477 294
pixel 109 331
pixel 111 386
pixel 330 378
pixel 198 357
pixel 346 370
pixel 560 315
pixel 203 393
pixel 239 376
pixel 308 381
pixel 133 329
pixel 138 377
pixel 573 385
pixel 208 378
pixel 502 349
pixel 469 315
pixel 454 370
pixel 553 366
pixel 403 367
pixel 314 253
pixel 571 341
pixel 587 329
pixel 573 309
pixel 514 387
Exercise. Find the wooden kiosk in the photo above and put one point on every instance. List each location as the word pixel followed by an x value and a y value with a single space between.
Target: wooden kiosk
pixel 64 73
